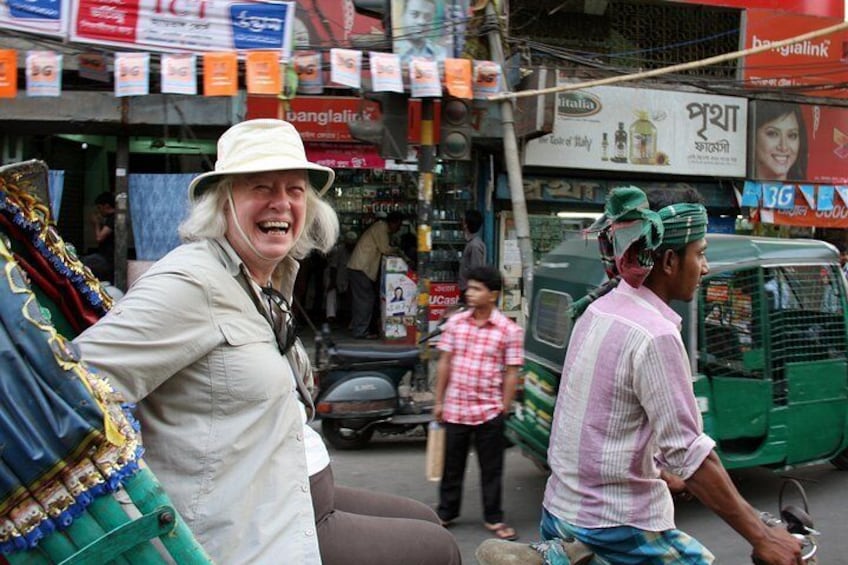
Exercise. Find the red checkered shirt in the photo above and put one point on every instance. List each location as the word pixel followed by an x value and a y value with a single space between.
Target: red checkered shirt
pixel 480 354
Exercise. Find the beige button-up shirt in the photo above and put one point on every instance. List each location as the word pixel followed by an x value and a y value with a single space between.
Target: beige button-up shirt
pixel 217 405
pixel 370 248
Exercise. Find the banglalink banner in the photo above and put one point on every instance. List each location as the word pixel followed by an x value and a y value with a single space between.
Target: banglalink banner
pixel 185 25
pixel 824 8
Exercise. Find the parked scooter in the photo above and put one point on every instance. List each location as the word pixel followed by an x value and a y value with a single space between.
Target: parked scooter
pixel 366 387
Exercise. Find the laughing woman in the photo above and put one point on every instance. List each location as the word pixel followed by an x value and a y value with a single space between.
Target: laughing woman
pixel 204 344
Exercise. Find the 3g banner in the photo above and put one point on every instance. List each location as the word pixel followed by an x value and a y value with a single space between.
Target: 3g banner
pixel 43 73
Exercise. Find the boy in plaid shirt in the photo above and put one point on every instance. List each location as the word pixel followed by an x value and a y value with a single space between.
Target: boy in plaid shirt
pixel 477 373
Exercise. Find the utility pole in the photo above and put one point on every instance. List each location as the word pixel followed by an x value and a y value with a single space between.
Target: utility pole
pixel 513 166
pixel 426 164
pixel 121 232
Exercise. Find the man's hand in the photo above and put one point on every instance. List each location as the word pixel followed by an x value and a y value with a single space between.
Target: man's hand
pixel 713 487
pixel 778 548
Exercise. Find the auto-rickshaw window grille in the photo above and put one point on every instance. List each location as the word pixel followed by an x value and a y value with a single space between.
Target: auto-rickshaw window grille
pixel 730 340
pixel 551 322
pixel 804 312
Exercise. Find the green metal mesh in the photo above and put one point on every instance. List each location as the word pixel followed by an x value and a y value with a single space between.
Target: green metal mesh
pixel 752 322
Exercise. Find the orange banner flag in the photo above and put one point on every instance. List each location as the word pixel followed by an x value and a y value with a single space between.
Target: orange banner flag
pixel 263 72
pixel 8 73
pixel 458 78
pixel 220 74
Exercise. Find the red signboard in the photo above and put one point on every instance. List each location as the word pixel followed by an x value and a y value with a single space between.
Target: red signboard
pixel 443 295
pixel 345 155
pixel 804 216
pixel 815 62
pixel 325 118
pixel 824 8
pixel 819 154
pixel 330 23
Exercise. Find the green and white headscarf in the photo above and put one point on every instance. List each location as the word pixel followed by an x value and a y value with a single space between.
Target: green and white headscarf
pixel 683 224
pixel 629 232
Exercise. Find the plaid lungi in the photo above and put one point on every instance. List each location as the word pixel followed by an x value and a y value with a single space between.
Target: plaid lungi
pixel 623 545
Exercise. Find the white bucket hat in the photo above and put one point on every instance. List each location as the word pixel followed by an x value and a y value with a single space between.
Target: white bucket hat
pixel 257 146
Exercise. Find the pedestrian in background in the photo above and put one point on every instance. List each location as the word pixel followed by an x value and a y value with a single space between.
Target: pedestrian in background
pixel 474 253
pixel 103 226
pixel 481 353
pixel 336 276
pixel 364 271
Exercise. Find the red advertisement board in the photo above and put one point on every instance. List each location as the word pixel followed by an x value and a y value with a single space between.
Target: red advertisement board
pixel 443 295
pixel 805 216
pixel 820 152
pixel 325 118
pixel 815 62
pixel 824 8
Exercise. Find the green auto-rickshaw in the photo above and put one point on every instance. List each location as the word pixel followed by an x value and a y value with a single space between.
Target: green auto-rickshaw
pixel 766 337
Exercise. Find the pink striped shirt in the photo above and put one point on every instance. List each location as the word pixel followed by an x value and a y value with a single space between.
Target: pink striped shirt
pixel 480 354
pixel 625 409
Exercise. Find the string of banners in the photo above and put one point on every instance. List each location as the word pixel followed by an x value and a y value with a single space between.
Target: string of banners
pixel 782 196
pixel 266 73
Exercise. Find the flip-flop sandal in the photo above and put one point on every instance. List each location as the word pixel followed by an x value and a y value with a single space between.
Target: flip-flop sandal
pixel 502 531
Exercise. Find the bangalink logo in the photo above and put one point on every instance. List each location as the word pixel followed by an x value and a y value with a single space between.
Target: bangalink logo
pixel 819 49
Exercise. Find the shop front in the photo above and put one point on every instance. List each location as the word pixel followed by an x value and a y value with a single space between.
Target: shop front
pixel 606 137
pixel 367 188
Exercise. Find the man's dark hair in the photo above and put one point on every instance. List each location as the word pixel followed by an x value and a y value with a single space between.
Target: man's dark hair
pixel 105 198
pixel 488 275
pixel 659 198
pixel 473 220
pixel 394 218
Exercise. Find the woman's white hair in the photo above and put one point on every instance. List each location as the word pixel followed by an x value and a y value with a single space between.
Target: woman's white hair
pixel 207 220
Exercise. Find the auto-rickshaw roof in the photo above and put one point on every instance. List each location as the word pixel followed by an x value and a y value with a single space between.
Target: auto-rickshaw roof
pixel 723 251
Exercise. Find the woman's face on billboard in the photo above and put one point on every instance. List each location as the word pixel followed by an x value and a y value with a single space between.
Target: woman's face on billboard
pixel 778 143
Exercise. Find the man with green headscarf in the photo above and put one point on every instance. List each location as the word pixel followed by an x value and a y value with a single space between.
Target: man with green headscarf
pixel 627 432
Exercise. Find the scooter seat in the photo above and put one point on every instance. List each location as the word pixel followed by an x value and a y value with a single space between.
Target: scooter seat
pixel 354 353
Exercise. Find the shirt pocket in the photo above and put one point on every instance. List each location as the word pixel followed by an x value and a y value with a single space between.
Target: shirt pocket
pixel 252 367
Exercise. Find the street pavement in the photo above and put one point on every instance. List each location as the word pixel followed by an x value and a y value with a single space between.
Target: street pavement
pixel 395 464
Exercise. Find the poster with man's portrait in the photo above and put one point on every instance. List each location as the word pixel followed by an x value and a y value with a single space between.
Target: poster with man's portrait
pixel 423 28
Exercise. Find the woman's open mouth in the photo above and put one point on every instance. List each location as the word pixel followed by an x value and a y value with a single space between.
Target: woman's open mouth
pixel 274 226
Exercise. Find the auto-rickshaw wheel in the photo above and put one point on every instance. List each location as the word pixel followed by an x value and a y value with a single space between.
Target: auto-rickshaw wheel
pixel 841 461
pixel 332 430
